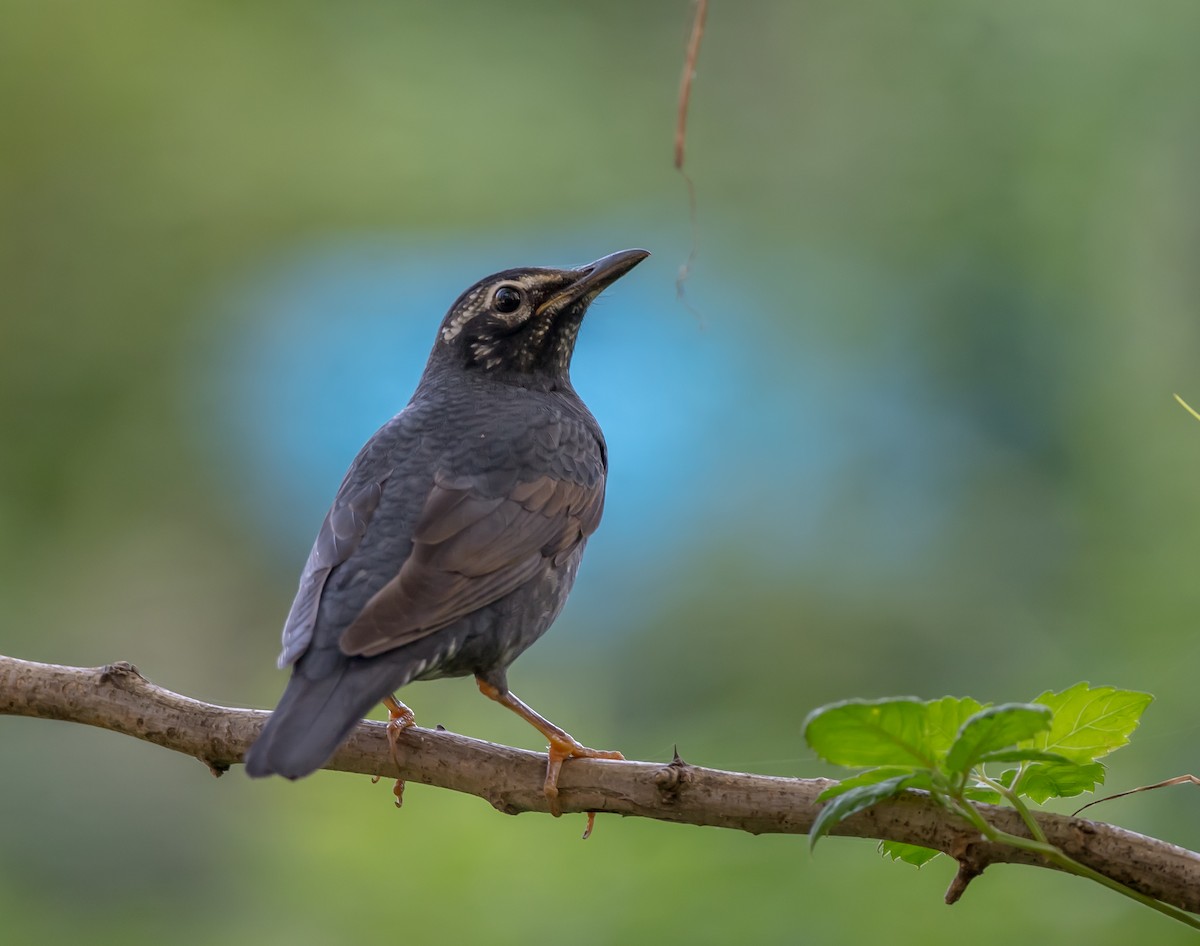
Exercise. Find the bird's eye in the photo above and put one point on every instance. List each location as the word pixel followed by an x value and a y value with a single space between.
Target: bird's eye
pixel 507 300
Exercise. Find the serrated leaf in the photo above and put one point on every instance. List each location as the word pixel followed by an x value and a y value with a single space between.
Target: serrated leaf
pixel 902 731
pixel 870 777
pixel 859 733
pixel 837 810
pixel 994 729
pixel 909 853
pixel 944 719
pixel 1090 722
pixel 1044 780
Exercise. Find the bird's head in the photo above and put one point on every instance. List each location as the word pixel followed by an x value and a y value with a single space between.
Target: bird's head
pixel 522 323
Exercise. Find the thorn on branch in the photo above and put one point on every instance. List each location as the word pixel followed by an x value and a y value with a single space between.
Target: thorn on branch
pixel 117 673
pixel 671 778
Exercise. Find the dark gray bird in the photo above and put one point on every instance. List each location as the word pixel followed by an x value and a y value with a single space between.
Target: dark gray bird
pixel 456 534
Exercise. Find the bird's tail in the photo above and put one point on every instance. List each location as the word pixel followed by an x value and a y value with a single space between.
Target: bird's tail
pixel 314 716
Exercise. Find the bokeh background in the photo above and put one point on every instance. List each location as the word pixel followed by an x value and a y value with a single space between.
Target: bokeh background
pixel 910 432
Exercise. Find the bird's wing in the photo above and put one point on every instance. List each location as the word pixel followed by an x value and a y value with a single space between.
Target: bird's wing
pixel 471 548
pixel 340 535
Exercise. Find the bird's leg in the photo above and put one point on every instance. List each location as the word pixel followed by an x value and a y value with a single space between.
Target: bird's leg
pixel 562 745
pixel 400 717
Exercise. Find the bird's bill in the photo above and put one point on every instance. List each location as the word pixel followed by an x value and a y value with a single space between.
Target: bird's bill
pixel 595 277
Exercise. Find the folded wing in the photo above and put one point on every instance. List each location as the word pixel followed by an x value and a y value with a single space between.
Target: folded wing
pixel 470 549
pixel 340 535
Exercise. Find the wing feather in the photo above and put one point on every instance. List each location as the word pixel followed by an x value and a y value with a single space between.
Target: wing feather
pixel 470 549
pixel 343 529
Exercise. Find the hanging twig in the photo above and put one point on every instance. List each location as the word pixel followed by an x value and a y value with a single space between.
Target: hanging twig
pixel 685 95
pixel 685 84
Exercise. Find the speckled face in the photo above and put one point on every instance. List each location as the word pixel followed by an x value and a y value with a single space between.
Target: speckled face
pixel 525 321
pixel 521 320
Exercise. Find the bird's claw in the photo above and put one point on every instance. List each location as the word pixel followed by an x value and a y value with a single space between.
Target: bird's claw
pixel 559 751
pixel 400 718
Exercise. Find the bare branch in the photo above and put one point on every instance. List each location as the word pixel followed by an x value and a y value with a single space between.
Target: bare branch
pixel 118 698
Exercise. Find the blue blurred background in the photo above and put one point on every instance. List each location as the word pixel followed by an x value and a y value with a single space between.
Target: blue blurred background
pixel 911 432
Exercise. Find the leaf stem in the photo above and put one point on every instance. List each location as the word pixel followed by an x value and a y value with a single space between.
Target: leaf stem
pixel 1039 845
pixel 1017 802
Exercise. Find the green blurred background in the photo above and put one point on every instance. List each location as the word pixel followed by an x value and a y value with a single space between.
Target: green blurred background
pixel 915 434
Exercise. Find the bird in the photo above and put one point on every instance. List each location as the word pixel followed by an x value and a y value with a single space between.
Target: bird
pixel 457 532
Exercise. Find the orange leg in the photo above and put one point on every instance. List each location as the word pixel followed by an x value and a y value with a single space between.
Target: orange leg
pixel 562 745
pixel 400 717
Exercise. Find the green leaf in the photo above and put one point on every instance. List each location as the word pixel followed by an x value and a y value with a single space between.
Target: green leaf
pixel 849 803
pixel 903 731
pixel 1044 780
pixel 944 719
pixel 995 729
pixel 871 776
pixel 982 793
pixel 869 732
pixel 909 853
pixel 1090 722
pixel 897 737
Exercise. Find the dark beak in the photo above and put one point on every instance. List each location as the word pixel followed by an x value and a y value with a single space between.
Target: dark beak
pixel 595 277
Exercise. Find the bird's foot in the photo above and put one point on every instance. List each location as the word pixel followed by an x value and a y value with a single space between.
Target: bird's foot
pixel 400 718
pixel 562 744
pixel 563 747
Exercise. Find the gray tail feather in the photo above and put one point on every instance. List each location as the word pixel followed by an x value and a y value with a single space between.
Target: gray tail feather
pixel 311 721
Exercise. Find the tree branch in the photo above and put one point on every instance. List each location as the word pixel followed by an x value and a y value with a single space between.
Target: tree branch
pixel 117 697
